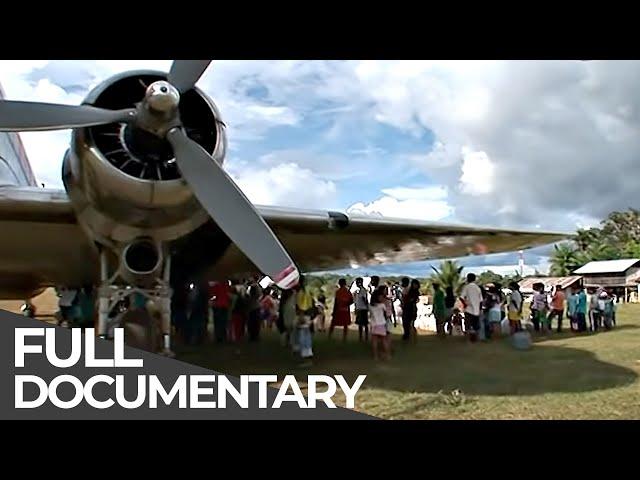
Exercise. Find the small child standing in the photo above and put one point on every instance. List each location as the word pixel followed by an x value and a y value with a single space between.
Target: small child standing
pixel 304 309
pixel 321 308
pixel 378 322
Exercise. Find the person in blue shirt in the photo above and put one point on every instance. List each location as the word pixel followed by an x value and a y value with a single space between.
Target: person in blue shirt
pixel 581 313
pixel 572 309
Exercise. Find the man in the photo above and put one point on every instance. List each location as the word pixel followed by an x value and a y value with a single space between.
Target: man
pixel 199 312
pixel 439 309
pixel 471 297
pixel 557 307
pixel 581 311
pixel 220 297
pixel 361 301
pixel 253 309
pixel 374 284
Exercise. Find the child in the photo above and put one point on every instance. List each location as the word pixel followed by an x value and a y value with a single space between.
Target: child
pixel 493 308
pixel 378 324
pixel 456 323
pixel 304 310
pixel 321 308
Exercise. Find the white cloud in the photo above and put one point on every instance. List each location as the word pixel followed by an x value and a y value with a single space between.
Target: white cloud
pixel 478 172
pixel 540 130
pixel 418 203
pixel 284 185
pixel 246 118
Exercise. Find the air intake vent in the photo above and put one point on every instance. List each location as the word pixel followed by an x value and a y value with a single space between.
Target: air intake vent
pixel 138 153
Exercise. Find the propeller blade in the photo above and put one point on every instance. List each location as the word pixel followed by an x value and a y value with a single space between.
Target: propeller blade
pixel 184 74
pixel 232 211
pixel 17 116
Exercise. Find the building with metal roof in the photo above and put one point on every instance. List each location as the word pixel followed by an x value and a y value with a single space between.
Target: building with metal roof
pixel 526 285
pixel 616 275
pixel 607 266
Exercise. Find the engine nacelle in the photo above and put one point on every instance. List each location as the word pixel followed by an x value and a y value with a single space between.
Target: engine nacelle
pixel 124 182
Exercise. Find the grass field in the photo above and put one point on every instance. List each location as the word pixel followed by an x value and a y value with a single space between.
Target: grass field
pixel 564 376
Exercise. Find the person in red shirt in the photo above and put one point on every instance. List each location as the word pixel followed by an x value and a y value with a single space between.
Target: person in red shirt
pixel 557 307
pixel 341 309
pixel 220 297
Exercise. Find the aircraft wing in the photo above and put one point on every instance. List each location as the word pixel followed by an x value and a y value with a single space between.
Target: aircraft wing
pixel 322 240
pixel 41 243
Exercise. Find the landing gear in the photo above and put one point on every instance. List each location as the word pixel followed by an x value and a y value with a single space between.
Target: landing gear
pixel 143 311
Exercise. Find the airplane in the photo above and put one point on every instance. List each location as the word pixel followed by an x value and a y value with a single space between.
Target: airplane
pixel 148 206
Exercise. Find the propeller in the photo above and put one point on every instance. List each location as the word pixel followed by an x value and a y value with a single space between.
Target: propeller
pixel 16 116
pixel 231 210
pixel 185 73
pixel 212 186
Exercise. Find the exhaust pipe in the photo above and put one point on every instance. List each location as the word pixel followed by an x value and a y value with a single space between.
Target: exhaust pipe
pixel 141 262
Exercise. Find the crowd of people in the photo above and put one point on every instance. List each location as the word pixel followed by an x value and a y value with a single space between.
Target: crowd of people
pixel 487 311
pixel 240 310
pixel 590 310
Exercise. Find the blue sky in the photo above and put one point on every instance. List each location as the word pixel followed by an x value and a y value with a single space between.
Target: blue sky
pixel 504 143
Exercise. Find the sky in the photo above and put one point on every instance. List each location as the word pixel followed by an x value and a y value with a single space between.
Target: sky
pixel 533 144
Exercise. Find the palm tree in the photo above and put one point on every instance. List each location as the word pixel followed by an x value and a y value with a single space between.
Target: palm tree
pixel 565 259
pixel 449 275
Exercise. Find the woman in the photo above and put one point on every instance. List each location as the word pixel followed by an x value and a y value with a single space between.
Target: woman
pixel 539 307
pixel 341 309
pixel 410 301
pixel 515 308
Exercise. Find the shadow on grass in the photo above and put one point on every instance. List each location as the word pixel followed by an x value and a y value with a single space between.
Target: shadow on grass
pixel 566 334
pixel 431 365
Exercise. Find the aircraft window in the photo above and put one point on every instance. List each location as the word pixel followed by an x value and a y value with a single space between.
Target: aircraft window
pixel 10 169
pixel 7 176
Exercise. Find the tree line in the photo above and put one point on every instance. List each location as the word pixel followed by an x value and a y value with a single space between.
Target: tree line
pixel 617 237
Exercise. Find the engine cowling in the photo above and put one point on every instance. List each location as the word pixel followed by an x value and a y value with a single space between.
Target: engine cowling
pixel 124 182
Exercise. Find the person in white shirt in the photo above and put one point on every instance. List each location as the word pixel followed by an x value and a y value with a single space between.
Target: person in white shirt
pixel 379 320
pixel 471 297
pixel 361 301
